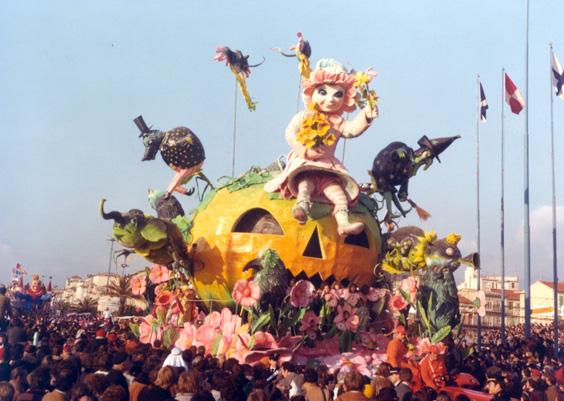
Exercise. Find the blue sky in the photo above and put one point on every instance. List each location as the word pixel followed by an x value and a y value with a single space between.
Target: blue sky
pixel 74 75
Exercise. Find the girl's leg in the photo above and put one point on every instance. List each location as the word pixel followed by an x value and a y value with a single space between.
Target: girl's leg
pixel 306 186
pixel 337 196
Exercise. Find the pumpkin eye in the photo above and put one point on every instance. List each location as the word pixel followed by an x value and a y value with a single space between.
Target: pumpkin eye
pixel 449 251
pixel 358 240
pixel 258 221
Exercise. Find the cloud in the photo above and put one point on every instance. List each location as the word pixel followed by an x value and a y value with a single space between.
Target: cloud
pixel 541 242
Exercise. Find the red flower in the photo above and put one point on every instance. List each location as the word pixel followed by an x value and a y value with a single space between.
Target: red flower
pixel 397 303
pixel 164 298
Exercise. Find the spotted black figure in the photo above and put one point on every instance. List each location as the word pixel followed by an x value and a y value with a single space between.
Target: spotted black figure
pixel 394 165
pixel 180 149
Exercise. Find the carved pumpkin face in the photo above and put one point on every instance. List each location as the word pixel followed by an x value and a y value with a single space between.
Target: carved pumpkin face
pixel 234 227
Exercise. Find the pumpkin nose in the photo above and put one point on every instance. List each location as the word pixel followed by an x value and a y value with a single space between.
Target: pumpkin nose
pixel 313 247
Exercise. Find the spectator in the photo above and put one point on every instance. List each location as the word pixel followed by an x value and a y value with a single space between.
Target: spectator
pixel 6 391
pixel 353 388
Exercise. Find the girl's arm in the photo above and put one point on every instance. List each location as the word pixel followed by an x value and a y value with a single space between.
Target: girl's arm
pixel 360 123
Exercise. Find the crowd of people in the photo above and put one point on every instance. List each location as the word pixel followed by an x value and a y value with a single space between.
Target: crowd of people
pixel 92 359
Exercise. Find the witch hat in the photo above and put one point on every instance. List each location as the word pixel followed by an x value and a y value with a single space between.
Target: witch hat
pixel 437 145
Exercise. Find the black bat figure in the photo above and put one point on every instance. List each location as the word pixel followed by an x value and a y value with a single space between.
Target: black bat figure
pixel 235 59
pixel 394 165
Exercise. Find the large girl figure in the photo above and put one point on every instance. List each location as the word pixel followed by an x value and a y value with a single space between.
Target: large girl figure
pixel 313 172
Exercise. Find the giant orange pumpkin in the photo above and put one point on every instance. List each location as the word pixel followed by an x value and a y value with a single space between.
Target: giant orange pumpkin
pixel 230 230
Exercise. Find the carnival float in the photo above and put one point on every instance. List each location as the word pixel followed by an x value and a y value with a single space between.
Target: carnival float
pixel 295 259
pixel 32 298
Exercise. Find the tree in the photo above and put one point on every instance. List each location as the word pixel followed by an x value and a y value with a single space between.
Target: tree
pixel 86 305
pixel 122 290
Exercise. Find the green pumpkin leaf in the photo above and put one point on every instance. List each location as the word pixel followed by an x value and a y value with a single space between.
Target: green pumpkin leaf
pixel 154 231
pixel 184 224
pixel 134 327
pixel 263 320
pixel 319 210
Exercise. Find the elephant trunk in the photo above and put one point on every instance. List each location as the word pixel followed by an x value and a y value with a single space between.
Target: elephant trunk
pixel 117 217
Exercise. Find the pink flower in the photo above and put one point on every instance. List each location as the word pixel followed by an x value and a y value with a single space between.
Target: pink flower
pixel 187 336
pixel 409 287
pixel 310 322
pixel 246 293
pixel 205 335
pixel 213 319
pixel 397 303
pixel 351 297
pixel 346 318
pixel 159 274
pixel 301 294
pixel 138 285
pixel 422 346
pixel 264 340
pixel 148 334
pixel 374 294
pixel 331 298
pixel 164 298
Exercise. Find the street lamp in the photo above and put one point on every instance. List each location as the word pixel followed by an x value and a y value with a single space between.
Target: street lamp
pixel 112 240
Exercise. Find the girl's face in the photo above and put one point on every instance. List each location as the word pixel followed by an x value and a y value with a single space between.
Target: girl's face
pixel 329 98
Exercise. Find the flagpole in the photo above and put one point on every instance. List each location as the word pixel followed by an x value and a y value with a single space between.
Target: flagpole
pixel 554 252
pixel 478 286
pixel 527 239
pixel 502 214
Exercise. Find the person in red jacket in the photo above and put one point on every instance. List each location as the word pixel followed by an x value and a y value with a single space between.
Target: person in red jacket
pixel 397 350
pixel 433 368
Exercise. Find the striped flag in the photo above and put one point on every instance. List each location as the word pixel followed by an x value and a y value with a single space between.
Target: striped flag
pixel 20 269
pixel 557 76
pixel 512 96
pixel 483 104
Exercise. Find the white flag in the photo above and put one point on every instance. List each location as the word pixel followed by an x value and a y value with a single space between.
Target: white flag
pixel 557 76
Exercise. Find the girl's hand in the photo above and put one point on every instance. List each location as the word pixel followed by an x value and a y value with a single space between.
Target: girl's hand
pixel 371 114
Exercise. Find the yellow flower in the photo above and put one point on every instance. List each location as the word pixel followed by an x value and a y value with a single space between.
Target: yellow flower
pixel 453 238
pixel 329 139
pixel 314 129
pixel 362 78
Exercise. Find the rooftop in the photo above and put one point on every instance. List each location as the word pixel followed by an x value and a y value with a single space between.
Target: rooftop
pixel 551 285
